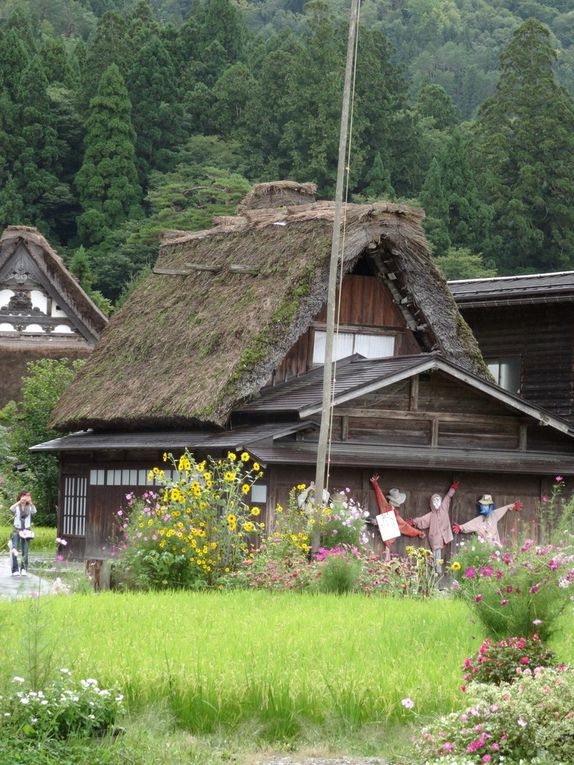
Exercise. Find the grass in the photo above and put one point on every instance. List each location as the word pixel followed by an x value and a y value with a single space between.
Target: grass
pixel 44 539
pixel 212 677
pixel 280 662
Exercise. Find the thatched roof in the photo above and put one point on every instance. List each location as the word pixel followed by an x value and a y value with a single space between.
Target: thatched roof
pixel 224 306
pixel 91 320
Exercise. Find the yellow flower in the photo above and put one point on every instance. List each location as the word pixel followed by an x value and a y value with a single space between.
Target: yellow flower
pixel 456 566
pixel 156 470
pixel 209 484
pixel 165 456
pixel 256 466
pixel 201 467
pixel 229 475
pixel 279 508
pixel 202 505
pixel 244 457
pixel 255 511
pixel 248 526
pixel 245 488
pixel 231 456
pixel 206 475
pixel 410 550
pixel 300 486
pixel 150 475
pixel 231 518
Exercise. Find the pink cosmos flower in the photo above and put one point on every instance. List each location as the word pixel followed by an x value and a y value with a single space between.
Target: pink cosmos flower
pixel 486 758
pixel 470 572
pixel 524 660
pixel 558 478
pixel 534 589
pixel 504 602
pixel 59 557
pixel 447 747
pixel 479 598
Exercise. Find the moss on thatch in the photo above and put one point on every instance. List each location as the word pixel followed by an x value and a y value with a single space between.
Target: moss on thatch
pixel 190 344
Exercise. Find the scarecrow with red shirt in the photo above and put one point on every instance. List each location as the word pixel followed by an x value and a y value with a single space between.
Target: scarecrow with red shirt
pixel 391 504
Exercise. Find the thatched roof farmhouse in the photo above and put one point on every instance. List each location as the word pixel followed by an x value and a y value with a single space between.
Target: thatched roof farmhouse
pixel 223 307
pixel 222 346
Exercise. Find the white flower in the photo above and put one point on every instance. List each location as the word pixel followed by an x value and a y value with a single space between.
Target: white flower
pixel 17 679
pixel 522 722
pixel 65 671
pixel 24 700
pixel 408 703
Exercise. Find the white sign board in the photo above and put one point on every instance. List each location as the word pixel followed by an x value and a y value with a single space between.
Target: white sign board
pixel 388 526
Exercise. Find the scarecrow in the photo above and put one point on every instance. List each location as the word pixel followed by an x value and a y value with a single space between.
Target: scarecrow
pixel 393 501
pixel 485 525
pixel 437 521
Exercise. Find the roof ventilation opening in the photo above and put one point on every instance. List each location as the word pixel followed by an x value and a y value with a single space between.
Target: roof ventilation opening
pixel 278 194
pixel 365 266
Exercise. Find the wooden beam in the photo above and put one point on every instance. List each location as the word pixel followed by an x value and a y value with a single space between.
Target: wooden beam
pixel 414 394
pixel 403 414
pixel 523 437
pixel 189 269
pixel 434 434
pixel 344 428
pixel 238 268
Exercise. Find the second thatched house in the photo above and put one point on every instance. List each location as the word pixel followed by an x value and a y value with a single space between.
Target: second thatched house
pixel 221 348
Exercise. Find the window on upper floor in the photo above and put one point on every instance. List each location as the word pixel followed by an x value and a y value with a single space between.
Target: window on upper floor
pixel 348 343
pixel 506 373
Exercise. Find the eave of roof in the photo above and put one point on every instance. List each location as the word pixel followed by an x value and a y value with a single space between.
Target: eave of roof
pixel 448 459
pixel 513 290
pixel 240 438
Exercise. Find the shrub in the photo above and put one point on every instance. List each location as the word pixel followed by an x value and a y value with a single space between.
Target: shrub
pixel 343 522
pixel 339 571
pixel 193 528
pixel 503 662
pixel 64 708
pixel 530 721
pixel 519 591
pixel 265 571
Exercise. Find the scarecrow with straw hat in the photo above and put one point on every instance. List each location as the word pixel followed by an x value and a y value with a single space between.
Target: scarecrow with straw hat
pixel 391 526
pixel 485 525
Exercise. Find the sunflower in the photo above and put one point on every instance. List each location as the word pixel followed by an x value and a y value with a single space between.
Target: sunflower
pixel 244 457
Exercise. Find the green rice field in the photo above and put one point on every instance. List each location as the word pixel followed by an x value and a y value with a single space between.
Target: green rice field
pixel 281 660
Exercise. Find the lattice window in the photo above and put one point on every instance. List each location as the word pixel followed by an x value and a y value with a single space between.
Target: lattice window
pixel 74 505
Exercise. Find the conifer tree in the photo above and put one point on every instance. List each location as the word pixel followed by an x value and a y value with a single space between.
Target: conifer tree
pixel 378 180
pixel 157 115
pixel 457 216
pixel 524 139
pixel 107 182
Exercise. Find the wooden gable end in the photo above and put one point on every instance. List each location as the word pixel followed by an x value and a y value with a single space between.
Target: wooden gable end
pixel 32 307
pixel 437 411
pixel 367 306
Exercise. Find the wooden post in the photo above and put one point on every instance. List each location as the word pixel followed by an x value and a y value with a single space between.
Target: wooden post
pixel 320 477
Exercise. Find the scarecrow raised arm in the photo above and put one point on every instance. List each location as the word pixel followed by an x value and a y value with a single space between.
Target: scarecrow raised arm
pixel 485 525
pixel 385 507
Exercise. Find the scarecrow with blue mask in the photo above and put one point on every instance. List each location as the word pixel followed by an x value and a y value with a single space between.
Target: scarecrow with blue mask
pixel 485 525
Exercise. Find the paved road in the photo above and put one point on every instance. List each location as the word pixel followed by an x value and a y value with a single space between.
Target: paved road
pixel 19 586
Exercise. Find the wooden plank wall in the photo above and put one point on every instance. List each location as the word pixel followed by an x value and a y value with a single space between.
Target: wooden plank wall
pixel 419 486
pixel 435 410
pixel 365 302
pixel 543 337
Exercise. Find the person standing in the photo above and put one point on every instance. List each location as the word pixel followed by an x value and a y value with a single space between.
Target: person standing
pixel 23 510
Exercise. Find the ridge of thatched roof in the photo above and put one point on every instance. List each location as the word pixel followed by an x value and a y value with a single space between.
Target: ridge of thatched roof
pixel 224 306
pixel 51 265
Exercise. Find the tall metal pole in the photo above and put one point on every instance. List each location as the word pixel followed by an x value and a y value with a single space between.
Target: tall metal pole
pixel 320 477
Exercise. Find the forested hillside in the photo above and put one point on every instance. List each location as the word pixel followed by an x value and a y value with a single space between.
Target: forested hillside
pixel 121 118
